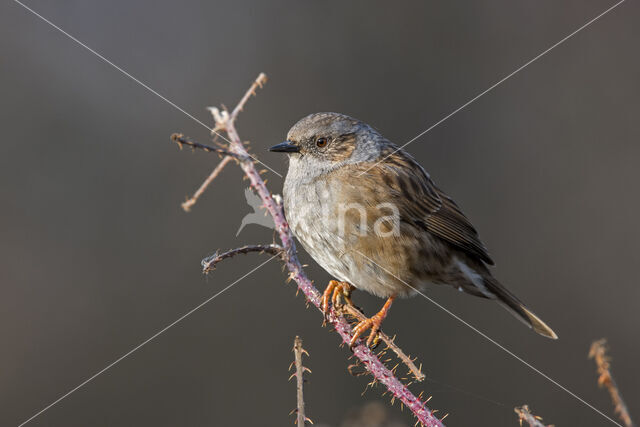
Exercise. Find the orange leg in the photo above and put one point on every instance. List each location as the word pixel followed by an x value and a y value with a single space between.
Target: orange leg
pixel 343 290
pixel 333 292
pixel 373 323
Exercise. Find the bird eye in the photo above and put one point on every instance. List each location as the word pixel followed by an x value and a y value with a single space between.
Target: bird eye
pixel 321 142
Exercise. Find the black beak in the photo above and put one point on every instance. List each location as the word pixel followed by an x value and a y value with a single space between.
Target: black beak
pixel 285 147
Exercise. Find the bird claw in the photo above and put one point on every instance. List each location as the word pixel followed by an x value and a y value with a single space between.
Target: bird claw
pixel 333 293
pixel 372 323
pixel 326 297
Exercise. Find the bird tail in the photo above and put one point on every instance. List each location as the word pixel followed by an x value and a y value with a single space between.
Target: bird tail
pixel 518 309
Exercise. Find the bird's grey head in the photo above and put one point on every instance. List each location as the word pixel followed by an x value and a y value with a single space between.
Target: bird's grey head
pixel 331 139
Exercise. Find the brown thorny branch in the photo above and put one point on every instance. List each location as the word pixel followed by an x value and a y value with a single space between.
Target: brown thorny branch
pixel 236 149
pixel 298 351
pixel 598 352
pixel 524 414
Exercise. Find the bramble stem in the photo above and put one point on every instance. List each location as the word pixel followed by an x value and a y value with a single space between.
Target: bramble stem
pixel 598 352
pixel 209 263
pixel 524 414
pixel 298 351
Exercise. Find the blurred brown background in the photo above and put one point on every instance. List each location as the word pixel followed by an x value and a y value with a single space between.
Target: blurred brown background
pixel 96 254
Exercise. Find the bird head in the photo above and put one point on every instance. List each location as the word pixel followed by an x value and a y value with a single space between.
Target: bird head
pixel 330 139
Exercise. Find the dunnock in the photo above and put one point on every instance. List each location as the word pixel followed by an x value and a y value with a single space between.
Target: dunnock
pixel 371 216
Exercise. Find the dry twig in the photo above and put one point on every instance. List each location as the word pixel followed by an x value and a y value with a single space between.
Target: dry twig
pixel 210 262
pixel 193 199
pixel 181 140
pixel 226 122
pixel 598 352
pixel 524 414
pixel 298 351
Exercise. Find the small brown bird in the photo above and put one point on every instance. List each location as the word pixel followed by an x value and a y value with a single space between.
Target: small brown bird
pixel 371 216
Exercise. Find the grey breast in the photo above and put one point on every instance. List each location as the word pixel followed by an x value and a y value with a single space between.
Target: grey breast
pixel 308 204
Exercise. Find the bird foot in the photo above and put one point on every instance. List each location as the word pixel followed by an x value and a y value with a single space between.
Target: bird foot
pixel 372 323
pixel 333 293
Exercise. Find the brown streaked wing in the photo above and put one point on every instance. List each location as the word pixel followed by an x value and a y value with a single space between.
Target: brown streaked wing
pixel 422 203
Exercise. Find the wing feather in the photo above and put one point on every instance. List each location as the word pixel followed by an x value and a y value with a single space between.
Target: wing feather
pixel 421 202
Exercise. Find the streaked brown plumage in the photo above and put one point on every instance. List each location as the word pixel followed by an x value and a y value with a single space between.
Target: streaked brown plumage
pixel 342 170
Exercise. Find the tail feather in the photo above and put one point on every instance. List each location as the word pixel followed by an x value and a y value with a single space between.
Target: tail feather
pixel 518 309
pixel 538 325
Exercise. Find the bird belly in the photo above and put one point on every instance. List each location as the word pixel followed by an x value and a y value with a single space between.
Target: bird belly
pixel 338 245
pixel 347 264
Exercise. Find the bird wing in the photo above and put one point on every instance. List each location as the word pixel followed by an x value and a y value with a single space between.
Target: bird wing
pixel 422 203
